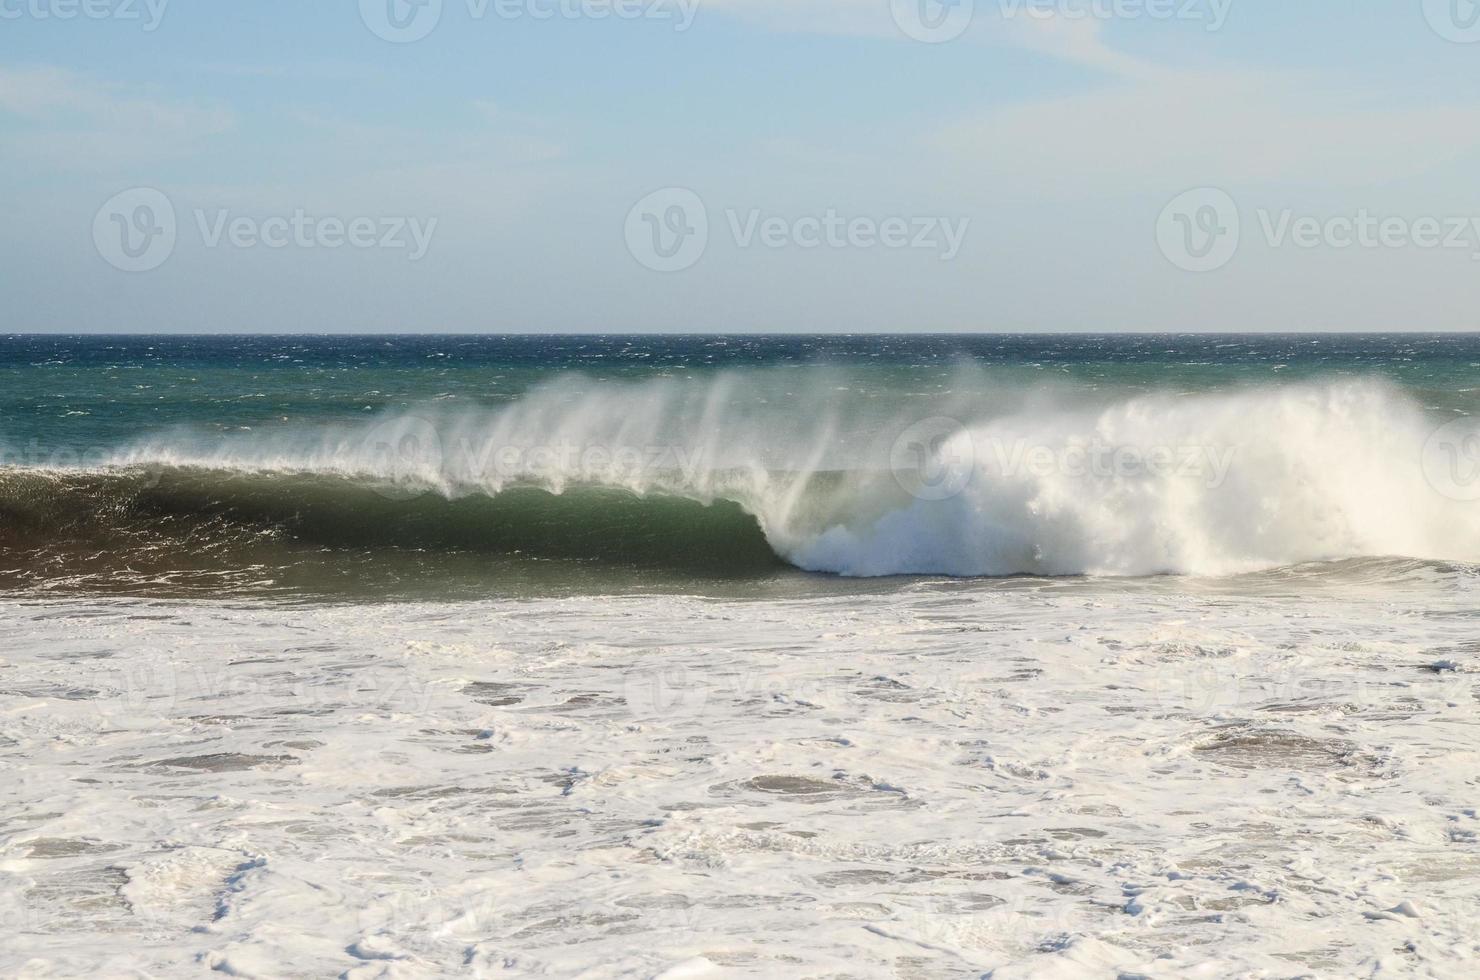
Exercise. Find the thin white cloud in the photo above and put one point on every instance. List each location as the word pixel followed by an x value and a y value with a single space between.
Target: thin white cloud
pixel 67 120
pixel 492 135
pixel 1080 42
pixel 1199 129
pixel 496 164
pixel 1013 23
pixel 1150 127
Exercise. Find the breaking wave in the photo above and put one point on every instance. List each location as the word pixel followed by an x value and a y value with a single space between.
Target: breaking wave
pixel 739 474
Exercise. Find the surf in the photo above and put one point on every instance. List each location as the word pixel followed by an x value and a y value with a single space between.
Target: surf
pixel 742 473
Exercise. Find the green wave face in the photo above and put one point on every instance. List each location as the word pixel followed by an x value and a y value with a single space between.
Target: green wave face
pixel 192 530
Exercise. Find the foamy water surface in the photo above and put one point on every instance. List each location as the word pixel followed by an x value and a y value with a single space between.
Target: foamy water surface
pixel 1272 777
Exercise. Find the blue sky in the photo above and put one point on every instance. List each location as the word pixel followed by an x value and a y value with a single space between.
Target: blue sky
pixel 515 172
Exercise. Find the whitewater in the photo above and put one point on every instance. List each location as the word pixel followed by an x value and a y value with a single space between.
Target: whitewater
pixel 1039 780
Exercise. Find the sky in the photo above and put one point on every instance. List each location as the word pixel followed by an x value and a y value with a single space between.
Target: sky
pixel 739 165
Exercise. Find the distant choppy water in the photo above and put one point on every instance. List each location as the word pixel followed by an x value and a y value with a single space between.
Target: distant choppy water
pixel 469 466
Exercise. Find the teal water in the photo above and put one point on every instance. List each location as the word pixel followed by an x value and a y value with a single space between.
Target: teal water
pixel 88 390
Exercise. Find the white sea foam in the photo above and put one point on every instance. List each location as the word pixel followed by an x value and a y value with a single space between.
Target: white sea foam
pixel 979 478
pixel 1160 778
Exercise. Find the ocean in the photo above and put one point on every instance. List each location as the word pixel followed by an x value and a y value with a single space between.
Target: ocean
pixel 405 467
pixel 614 656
